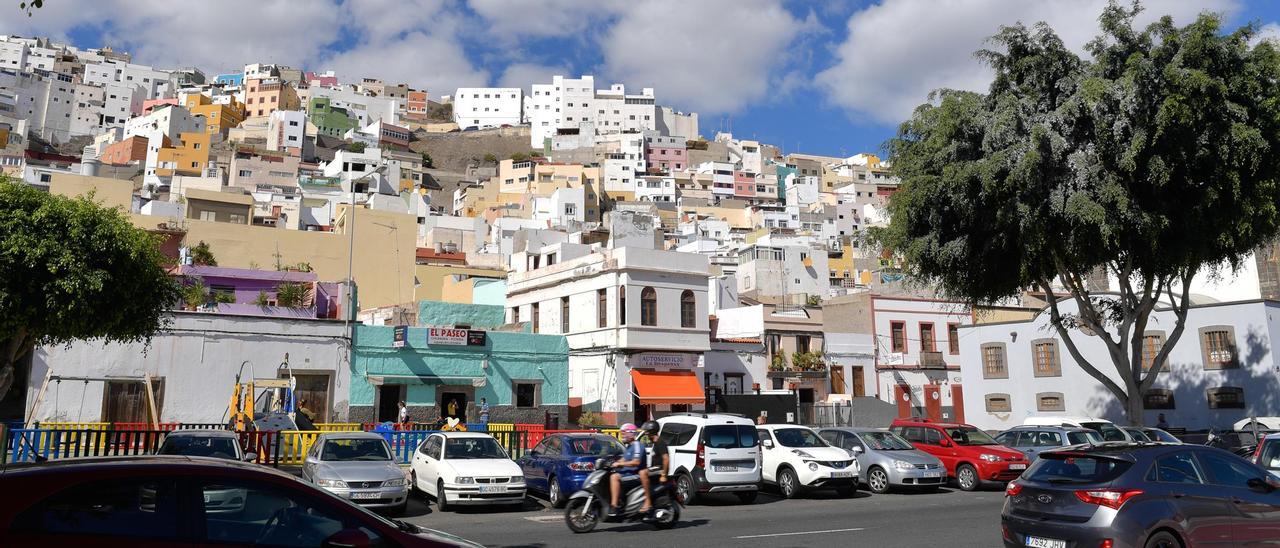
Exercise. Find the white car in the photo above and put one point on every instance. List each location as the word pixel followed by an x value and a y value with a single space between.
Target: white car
pixel 796 458
pixel 466 468
pixel 712 453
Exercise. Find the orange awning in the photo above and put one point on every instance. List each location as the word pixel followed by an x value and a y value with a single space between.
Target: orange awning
pixel 667 387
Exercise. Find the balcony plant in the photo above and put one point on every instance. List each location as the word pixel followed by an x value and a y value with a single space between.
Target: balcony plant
pixel 809 361
pixel 291 295
pixel 779 362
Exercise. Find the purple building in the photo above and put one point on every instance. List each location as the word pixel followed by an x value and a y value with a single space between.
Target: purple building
pixel 256 291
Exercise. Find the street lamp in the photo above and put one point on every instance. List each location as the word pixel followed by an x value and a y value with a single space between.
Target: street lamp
pixel 351 239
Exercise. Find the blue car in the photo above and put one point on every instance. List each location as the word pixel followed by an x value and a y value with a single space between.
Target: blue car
pixel 560 462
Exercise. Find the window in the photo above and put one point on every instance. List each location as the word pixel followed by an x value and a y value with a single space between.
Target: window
pixel 676 434
pixel 1050 401
pixel 515 314
pixel 802 344
pixel 1152 342
pixel 648 306
pixel 1228 470
pixel 1226 397
pixel 1218 347
pixel 932 437
pixel 564 314
pixel 224 522
pixel 953 337
pixel 1158 398
pixel 899 336
pixel 998 403
pixel 1045 354
pixel 927 342
pixel 994 365
pixel 524 394
pixel 136 507
pixel 688 309
pixel 535 317
pixel 622 306
pixel 1176 468
pixel 602 308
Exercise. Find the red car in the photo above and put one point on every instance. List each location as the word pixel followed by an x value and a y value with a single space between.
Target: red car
pixel 969 455
pixel 185 501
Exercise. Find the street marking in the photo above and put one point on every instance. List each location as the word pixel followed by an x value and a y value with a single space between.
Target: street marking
pixel 802 533
pixel 544 519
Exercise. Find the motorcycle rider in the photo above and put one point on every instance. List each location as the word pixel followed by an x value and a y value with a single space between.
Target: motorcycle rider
pixel 659 459
pixel 627 469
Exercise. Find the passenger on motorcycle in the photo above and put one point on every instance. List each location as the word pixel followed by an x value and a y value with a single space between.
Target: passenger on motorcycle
pixel 627 469
pixel 659 460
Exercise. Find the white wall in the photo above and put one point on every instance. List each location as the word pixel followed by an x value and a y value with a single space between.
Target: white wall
pixel 488 107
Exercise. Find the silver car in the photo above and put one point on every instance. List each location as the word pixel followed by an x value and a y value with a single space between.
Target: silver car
pixel 218 444
pixel 357 466
pixel 887 460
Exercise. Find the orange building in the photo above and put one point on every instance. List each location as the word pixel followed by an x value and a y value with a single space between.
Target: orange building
pixel 186 158
pixel 219 118
pixel 262 97
pixel 123 152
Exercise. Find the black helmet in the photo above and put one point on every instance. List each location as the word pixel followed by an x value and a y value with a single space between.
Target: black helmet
pixel 649 427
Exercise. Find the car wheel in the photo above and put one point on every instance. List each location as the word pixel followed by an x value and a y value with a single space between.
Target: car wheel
pixel 685 489
pixel 788 483
pixel 554 496
pixel 967 477
pixel 402 508
pixel 413 483
pixel 442 500
pixel 1163 539
pixel 878 480
pixel 748 497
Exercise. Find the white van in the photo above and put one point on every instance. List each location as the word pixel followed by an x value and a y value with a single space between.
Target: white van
pixel 712 453
pixel 1108 429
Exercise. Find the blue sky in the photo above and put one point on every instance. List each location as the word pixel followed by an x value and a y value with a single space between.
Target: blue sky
pixel 810 76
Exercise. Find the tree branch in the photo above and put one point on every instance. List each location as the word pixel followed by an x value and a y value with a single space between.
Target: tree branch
pixel 1180 307
pixel 1056 320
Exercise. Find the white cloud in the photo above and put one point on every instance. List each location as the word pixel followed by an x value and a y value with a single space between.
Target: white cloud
pixel 522 75
pixel 1269 31
pixel 713 56
pixel 429 61
pixel 900 50
pixel 509 20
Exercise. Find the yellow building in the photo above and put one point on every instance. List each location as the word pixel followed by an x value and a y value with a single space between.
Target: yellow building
pixel 189 157
pixel 106 192
pixel 219 118
pixel 516 179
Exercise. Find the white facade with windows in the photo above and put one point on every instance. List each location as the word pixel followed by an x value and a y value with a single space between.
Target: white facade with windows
pixel 783 270
pixel 43 99
pixel 287 131
pixel 157 84
pixel 488 107
pixel 1221 370
pixel 918 346
pixel 620 309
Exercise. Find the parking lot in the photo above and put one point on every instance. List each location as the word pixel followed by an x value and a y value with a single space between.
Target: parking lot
pixel 947 518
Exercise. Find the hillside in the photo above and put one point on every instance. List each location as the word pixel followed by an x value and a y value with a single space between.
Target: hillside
pixel 453 152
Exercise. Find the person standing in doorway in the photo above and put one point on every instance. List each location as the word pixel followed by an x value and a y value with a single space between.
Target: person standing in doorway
pixel 402 417
pixel 484 411
pixel 452 408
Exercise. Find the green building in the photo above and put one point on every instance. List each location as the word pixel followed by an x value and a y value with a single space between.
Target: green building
pixel 328 119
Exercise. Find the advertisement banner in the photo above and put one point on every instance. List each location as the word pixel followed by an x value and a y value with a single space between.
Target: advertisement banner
pixel 455 337
pixel 399 335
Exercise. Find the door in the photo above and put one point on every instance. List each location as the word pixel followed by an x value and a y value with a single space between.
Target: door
pixel 389 398
pixel 837 379
pixel 312 394
pixel 902 395
pixel 546 462
pixel 1256 519
pixel 949 455
pixel 933 402
pixel 453 405
pixel 429 455
pixel 957 402
pixel 1205 513
pixel 768 456
pixel 126 401
pixel 859 388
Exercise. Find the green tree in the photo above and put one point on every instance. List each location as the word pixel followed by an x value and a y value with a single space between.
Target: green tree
pixel 201 255
pixel 519 157
pixel 1154 160
pixel 291 294
pixel 489 158
pixel 356 147
pixel 71 269
pixel 427 162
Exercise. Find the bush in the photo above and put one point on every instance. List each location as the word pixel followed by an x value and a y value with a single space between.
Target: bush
pixel 519 157
pixel 291 295
pixel 489 158
pixel 355 147
pixel 201 255
pixel 589 418
pixel 427 162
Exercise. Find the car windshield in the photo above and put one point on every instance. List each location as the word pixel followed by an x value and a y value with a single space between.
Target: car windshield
pixel 968 435
pixel 473 448
pixel 599 446
pixel 798 437
pixel 355 449
pixel 1074 468
pixel 1109 431
pixel 1083 438
pixel 196 446
pixel 1137 434
pixel 729 436
pixel 884 441
pixel 1157 434
pixel 1269 457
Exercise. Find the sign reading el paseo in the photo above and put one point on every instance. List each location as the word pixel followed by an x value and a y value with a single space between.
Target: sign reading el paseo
pixel 455 337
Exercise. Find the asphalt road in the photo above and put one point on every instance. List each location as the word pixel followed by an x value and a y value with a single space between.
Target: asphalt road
pixel 951 518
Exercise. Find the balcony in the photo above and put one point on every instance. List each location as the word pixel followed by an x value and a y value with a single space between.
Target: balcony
pixel 932 360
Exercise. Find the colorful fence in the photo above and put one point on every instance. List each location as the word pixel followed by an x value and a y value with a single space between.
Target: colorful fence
pixel 26 444
pixel 338 426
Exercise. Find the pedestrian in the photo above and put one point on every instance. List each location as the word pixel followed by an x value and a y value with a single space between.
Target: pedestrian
pixel 484 411
pixel 761 419
pixel 1161 423
pixel 403 416
pixel 452 408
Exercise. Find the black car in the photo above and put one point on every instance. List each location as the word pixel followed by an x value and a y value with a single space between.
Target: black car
pixel 1146 495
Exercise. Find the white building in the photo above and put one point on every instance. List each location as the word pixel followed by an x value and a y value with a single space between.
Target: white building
pixel 721 177
pixel 563 207
pixel 287 131
pixel 157 84
pixel 656 189
pixel 169 121
pixel 917 349
pixel 43 99
pixel 488 107
pixel 575 104
pixel 783 270
pixel 1221 370
pixel 674 123
pixel 632 316
pixel 366 109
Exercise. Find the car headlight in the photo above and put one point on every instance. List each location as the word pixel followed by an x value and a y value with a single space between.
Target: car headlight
pixel 331 483
pixel 394 483
pixel 517 479
pixel 801 454
pixel 813 466
pixel 464 480
pixel 990 458
pixel 903 465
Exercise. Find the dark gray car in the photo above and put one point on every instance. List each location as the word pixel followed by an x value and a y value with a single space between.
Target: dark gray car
pixel 1033 440
pixel 1127 495
pixel 887 460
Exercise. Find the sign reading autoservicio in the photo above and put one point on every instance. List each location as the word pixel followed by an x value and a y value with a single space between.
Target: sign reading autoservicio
pixel 455 337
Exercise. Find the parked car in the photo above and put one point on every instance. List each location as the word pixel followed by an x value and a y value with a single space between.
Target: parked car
pixel 712 453
pixel 1031 440
pixel 1108 430
pixel 1156 434
pixel 160 501
pixel 885 460
pixel 470 468
pixel 1126 494
pixel 1263 423
pixel 558 464
pixel 970 455
pixel 357 466
pixel 796 458
pixel 222 444
pixel 1267 453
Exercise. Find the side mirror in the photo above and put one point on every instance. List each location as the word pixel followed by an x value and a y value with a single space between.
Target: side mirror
pixel 311 459
pixel 855 450
pixel 767 444
pixel 945 443
pixel 347 538
pixel 250 457
pixel 1261 485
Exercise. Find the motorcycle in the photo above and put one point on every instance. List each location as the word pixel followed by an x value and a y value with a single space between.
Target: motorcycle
pixel 588 507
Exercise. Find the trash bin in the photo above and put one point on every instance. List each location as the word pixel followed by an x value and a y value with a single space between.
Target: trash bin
pixel 551 421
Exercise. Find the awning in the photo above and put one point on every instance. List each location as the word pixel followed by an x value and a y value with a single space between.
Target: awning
pixel 667 387
pixel 379 379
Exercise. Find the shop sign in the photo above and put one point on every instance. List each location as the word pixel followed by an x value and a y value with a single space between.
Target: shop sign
pixel 399 335
pixel 655 360
pixel 455 337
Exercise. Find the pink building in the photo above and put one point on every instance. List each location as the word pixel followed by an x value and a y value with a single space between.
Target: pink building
pixel 666 154
pixel 328 79
pixel 150 104
pixel 744 184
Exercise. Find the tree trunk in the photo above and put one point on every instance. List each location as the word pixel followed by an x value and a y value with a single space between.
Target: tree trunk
pixel 1134 408
pixel 12 351
pixel 6 378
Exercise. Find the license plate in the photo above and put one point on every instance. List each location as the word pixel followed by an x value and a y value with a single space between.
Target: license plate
pixel 1017 467
pixel 359 496
pixel 933 474
pixel 1037 542
pixel 492 489
pixel 726 468
pixel 842 474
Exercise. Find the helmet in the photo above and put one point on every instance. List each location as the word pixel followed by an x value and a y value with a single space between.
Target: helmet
pixel 628 428
pixel 649 427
